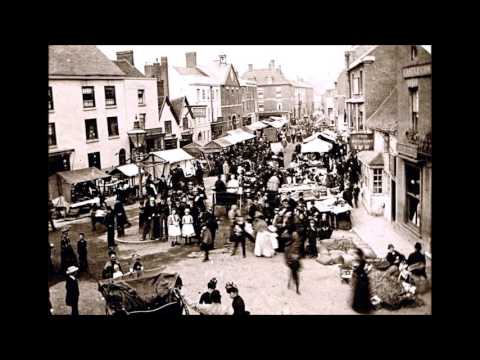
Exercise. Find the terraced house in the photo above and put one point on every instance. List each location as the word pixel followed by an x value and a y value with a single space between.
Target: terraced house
pixel 92 103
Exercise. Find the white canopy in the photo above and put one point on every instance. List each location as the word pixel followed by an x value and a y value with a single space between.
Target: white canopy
pixel 276 147
pixel 278 123
pixel 316 146
pixel 328 134
pixel 128 169
pixel 256 126
pixel 173 155
pixel 238 135
pixel 311 137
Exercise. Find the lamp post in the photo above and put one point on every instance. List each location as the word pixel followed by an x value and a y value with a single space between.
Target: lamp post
pixel 137 136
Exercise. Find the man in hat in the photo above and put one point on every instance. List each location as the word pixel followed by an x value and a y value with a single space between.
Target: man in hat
pixel 356 192
pixel 239 236
pixel 82 253
pixel 110 224
pixel 72 290
pixel 220 186
pixel 210 221
pixel 206 241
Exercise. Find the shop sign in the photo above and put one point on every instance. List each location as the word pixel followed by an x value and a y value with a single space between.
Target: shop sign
pixel 417 71
pixel 199 111
pixel 360 142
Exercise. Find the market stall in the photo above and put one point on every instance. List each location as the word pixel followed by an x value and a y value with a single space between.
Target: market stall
pixel 238 135
pixel 316 146
pixel 168 159
pixel 216 145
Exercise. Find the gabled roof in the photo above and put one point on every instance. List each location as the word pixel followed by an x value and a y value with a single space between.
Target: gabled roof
pixel 261 76
pixel 179 104
pixel 371 158
pixel 128 69
pixel 80 60
pixel 164 100
pixel 360 53
pixel 195 76
pixel 385 117
pixel 217 71
pixel 189 71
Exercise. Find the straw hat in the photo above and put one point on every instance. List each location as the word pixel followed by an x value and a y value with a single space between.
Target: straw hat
pixel 71 270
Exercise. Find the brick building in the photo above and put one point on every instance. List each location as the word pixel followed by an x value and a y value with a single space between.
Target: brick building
pixel 93 102
pixel 249 101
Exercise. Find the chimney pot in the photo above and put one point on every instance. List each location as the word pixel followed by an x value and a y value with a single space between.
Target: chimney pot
pixel 191 59
pixel 125 55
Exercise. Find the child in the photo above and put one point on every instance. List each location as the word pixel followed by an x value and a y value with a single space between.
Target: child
pixel 174 231
pixel 187 226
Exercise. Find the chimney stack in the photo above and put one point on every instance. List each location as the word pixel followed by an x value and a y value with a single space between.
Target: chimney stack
pixel 125 55
pixel 250 67
pixel 160 72
pixel 222 59
pixel 272 65
pixel 347 59
pixel 191 59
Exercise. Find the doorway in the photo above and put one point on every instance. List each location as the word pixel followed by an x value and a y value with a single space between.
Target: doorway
pixel 394 200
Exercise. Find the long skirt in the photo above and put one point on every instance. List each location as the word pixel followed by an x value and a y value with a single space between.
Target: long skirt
pixel 188 230
pixel 361 294
pixel 156 230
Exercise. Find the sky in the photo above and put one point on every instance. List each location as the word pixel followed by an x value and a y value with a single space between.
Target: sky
pixel 319 65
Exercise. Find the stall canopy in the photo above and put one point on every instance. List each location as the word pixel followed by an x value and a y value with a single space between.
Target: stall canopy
pixel 193 149
pixel 257 126
pixel 61 182
pixel 316 146
pixel 167 159
pixel 277 122
pixel 311 137
pixel 223 142
pixel 128 170
pixel 239 135
pixel 329 135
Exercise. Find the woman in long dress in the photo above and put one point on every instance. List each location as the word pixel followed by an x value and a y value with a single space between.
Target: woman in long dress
pixel 188 230
pixel 361 286
pixel 265 242
pixel 174 231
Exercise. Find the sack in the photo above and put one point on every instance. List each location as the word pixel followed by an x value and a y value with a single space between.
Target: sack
pixel 325 259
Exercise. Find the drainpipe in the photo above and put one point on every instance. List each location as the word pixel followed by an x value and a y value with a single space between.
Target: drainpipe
pixel 211 105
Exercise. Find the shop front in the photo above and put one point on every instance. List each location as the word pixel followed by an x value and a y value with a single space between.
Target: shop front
pixel 218 128
pixel 154 139
pixel 59 160
pixel 374 190
pixel 171 142
pixel 187 138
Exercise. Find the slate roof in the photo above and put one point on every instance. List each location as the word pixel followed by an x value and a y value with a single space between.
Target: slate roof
pixel 128 69
pixel 217 71
pixel 164 100
pixel 261 77
pixel 80 60
pixel 385 118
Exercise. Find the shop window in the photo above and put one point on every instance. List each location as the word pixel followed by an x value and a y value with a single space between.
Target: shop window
pixel 52 137
pixel 112 123
pixel 168 127
pixel 141 120
pixel 50 98
pixel 110 99
pixel 88 94
pixel 141 96
pixel 412 184
pixel 91 129
pixel 377 181
pixel 414 108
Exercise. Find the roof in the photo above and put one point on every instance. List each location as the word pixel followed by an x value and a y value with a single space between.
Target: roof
pixel 80 60
pixel 179 104
pixel 223 142
pixel 189 71
pixel 277 123
pixel 385 117
pixel 128 69
pixel 261 77
pixel 82 175
pixel 162 100
pixel 173 155
pixel 193 149
pixel 239 135
pixel 217 71
pixel 257 125
pixel 360 53
pixel 370 158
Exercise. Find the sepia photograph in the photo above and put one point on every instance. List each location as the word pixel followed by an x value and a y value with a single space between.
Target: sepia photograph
pixel 239 180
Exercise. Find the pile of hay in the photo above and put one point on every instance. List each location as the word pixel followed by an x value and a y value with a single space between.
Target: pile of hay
pixel 340 251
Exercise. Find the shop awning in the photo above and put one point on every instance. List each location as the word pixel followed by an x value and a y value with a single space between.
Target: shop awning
pixel 127 170
pixel 329 135
pixel 223 142
pixel 193 149
pixel 311 137
pixel 276 147
pixel 370 158
pixel 316 146
pixel 82 175
pixel 257 126
pixel 239 135
pixel 56 152
pixel 173 155
pixel 277 123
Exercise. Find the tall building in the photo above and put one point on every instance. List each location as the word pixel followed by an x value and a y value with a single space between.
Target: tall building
pixel 93 102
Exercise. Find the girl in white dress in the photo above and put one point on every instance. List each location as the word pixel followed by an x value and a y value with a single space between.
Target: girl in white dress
pixel 187 226
pixel 174 232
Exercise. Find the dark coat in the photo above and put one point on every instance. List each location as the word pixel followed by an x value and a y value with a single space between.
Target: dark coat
pixel 73 291
pixel 238 306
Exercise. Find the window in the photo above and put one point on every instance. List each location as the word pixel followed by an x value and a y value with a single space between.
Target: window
pixel 141 97
pixel 414 108
pixel 141 120
pixel 91 129
pixel 88 94
pixel 52 137
pixel 110 96
pixel 112 123
pixel 413 53
pixel 199 138
pixel 168 127
pixel 360 85
pixel 94 160
pixel 185 123
pixel 261 107
pixel 260 93
pixel 198 94
pixel 360 120
pixel 279 106
pixel 412 184
pixel 278 92
pixel 50 98
pixel 377 181
pixel 203 94
pixel 122 157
